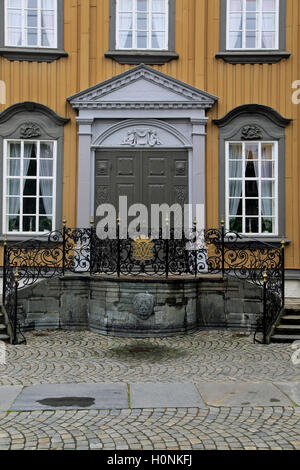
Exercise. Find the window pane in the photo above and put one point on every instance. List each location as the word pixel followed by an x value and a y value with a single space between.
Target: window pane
pixel 142 5
pixel 15 37
pixel 235 169
pixel 29 224
pixel 158 41
pixel 48 4
pixel 268 40
pixel 252 225
pixel 267 151
pixel 251 151
pixel 268 5
pixel 14 3
pixel 15 18
pixel 13 168
pixel 236 21
pixel 251 5
pixel 268 225
pixel 235 151
pixel 46 150
pixel 251 21
pixel 125 40
pixel 158 5
pixel 47 20
pixel 126 21
pixel 31 19
pixel 236 5
pixel 29 188
pixel 158 22
pixel 268 22
pixel 125 5
pixel 251 39
pixel 13 205
pixel 47 38
pixel 235 207
pixel 14 150
pixel 45 205
pixel 29 205
pixel 235 40
pixel 268 189
pixel 235 188
pixel 252 207
pixel 251 188
pixel 46 188
pixel 32 37
pixel 267 170
pixel 251 170
pixel 142 21
pixel 46 168
pixel 13 187
pixel 236 224
pixel 268 207
pixel 45 224
pixel 141 40
pixel 30 150
pixel 31 3
pixel 13 224
pixel 29 167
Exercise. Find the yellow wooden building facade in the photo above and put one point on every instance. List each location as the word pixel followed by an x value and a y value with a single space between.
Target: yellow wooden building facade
pixel 200 57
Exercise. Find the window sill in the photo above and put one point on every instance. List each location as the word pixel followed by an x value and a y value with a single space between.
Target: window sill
pixel 134 57
pixel 32 54
pixel 253 57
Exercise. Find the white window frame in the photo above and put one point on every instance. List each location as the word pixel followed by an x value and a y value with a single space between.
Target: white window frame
pixel 149 31
pixel 259 11
pixel 260 179
pixel 21 178
pixel 39 27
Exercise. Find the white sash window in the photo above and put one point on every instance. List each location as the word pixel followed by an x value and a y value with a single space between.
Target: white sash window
pixel 142 24
pixel 29 186
pixel 252 24
pixel 31 23
pixel 252 187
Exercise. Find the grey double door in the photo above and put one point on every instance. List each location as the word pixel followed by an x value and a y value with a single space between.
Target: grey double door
pixel 144 176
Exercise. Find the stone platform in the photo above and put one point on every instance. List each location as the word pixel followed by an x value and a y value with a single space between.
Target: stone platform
pixel 141 306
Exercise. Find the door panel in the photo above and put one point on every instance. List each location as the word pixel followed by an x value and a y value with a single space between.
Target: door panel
pixel 144 176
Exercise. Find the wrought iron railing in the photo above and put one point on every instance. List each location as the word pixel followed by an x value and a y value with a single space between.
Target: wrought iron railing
pixel 190 252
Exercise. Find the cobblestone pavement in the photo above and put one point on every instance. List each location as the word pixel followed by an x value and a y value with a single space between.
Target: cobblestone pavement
pixel 171 429
pixel 83 357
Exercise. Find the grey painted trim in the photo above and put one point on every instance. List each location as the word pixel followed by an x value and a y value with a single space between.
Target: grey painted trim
pixel 253 57
pixel 272 128
pixel 31 106
pixel 51 126
pixel 33 54
pixel 155 73
pixel 252 109
pixel 132 57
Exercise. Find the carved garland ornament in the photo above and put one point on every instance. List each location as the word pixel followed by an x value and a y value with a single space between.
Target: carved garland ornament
pixel 30 130
pixel 143 137
pixel 251 133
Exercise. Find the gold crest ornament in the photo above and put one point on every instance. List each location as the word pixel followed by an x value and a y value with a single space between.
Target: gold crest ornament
pixel 143 249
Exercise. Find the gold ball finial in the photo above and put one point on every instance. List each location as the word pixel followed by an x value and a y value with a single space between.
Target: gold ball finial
pixel 265 276
pixel 17 275
pixel 167 221
pixel 92 222
pixel 195 222
pixel 5 240
pixel 283 242
pixel 64 222
pixel 222 222
pixel 119 219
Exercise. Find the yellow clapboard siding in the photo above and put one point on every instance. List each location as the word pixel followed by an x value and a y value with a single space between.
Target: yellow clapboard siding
pixel 197 41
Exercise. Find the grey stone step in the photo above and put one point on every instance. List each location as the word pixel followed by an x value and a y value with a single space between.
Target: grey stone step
pixel 291 319
pixel 2 327
pixel 292 311
pixel 285 338
pixel 288 328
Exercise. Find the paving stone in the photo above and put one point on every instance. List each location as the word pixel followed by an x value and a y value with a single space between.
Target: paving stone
pixel 292 390
pixel 8 394
pixel 74 396
pixel 164 395
pixel 242 394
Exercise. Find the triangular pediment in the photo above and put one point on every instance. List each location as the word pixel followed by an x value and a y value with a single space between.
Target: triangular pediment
pixel 141 84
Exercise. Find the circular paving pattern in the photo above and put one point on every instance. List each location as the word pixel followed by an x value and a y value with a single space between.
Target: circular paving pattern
pixel 85 357
pixel 171 429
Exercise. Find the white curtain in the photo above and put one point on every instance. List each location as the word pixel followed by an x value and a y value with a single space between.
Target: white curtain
pixel 235 153
pixel 14 152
